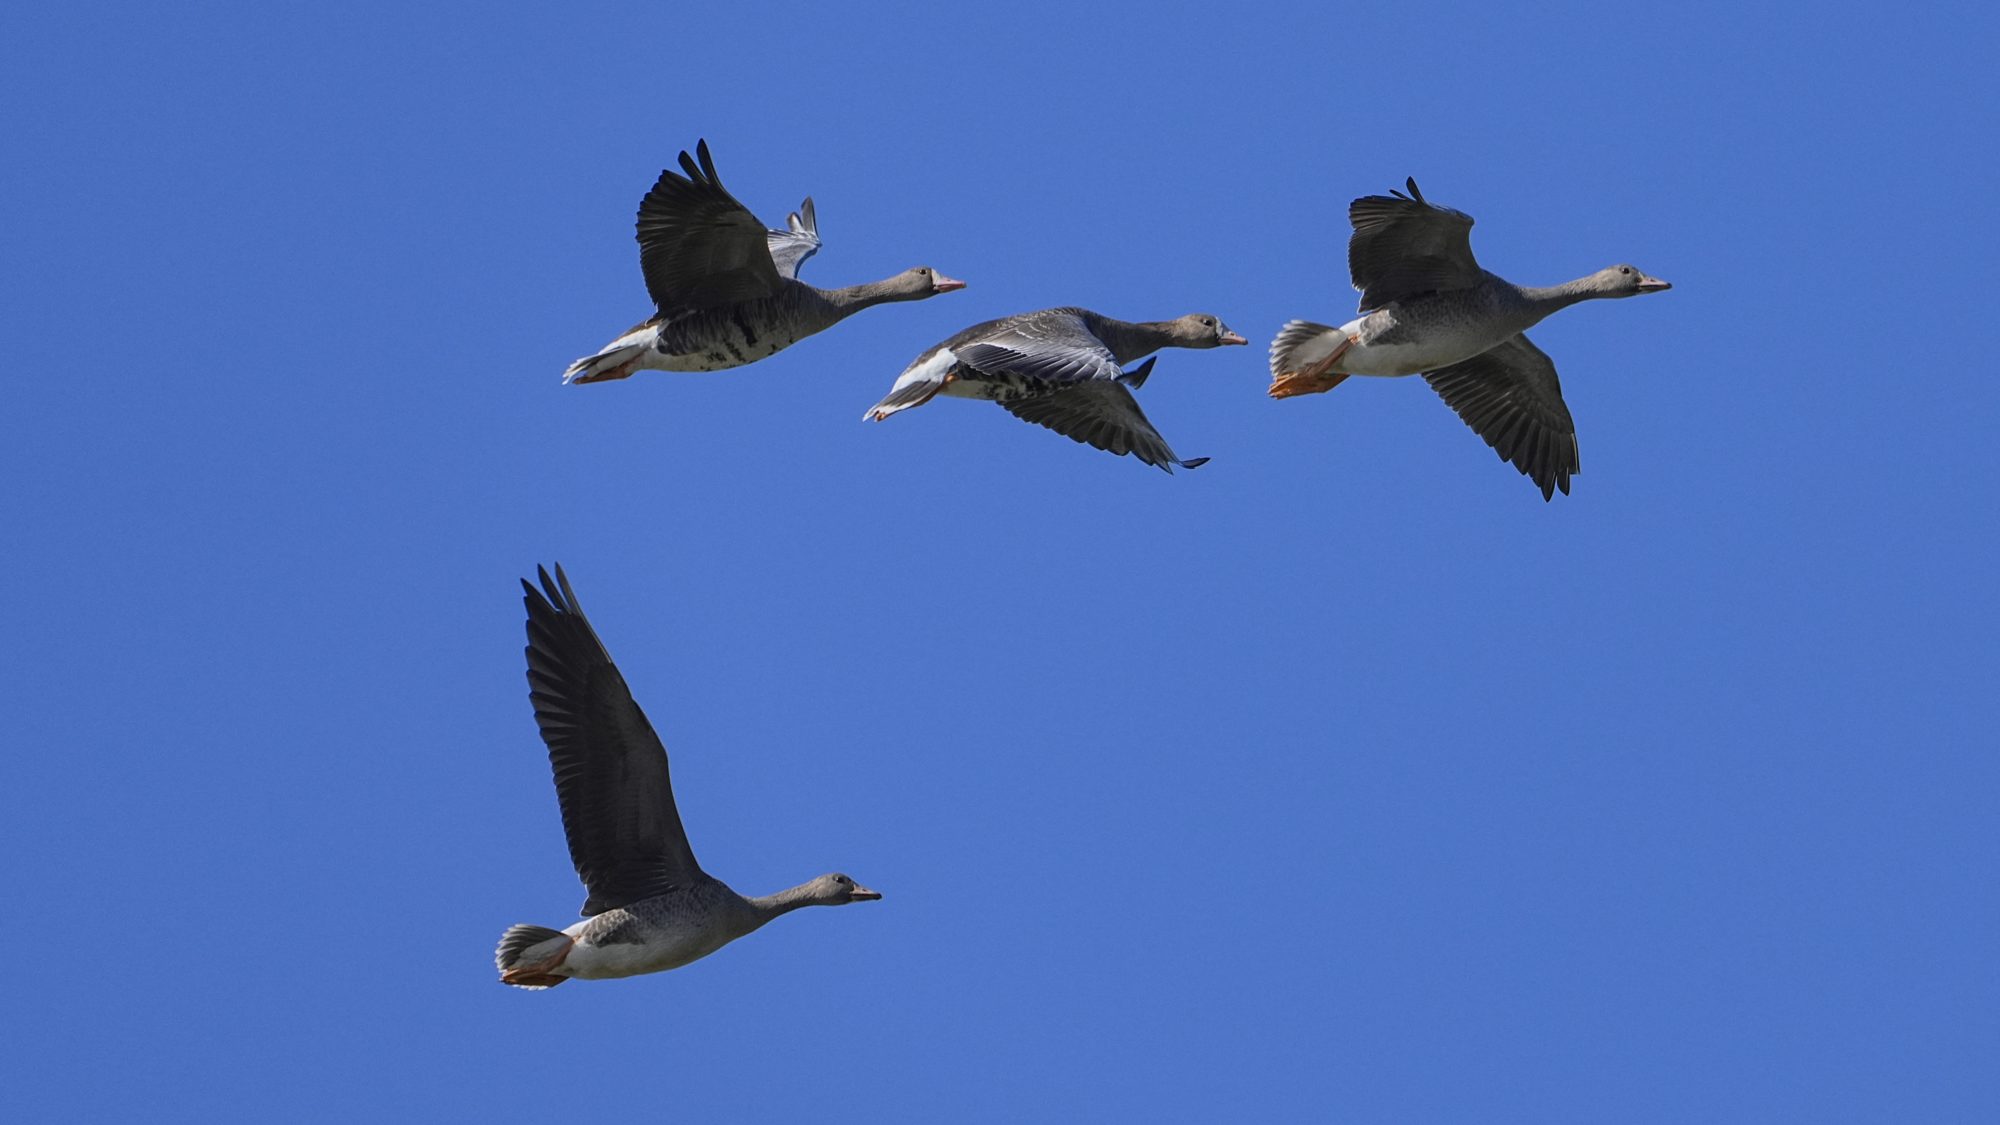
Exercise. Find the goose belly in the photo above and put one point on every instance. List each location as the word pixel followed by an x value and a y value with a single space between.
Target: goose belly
pixel 993 387
pixel 648 949
pixel 1385 359
pixel 1385 344
pixel 719 348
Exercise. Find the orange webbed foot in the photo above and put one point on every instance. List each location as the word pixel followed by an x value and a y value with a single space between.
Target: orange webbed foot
pixel 1305 383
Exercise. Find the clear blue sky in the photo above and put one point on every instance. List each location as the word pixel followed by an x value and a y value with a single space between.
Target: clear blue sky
pixel 1343 779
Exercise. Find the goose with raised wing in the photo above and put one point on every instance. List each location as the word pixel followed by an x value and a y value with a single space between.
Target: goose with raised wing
pixel 1428 308
pixel 726 290
pixel 650 906
pixel 1062 368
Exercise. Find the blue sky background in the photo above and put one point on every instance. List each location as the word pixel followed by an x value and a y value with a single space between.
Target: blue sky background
pixel 1342 779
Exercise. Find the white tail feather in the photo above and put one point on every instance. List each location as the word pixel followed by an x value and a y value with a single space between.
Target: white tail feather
pixel 617 354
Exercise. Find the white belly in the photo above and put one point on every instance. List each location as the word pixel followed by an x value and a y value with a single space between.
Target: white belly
pixel 1389 360
pixel 659 953
pixel 1370 355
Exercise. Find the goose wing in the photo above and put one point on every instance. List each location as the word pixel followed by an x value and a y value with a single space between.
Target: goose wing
pixel 698 247
pixel 625 834
pixel 1404 246
pixel 1104 416
pixel 1509 395
pixel 798 241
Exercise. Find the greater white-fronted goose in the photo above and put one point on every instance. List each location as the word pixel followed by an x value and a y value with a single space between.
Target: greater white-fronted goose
pixel 1429 308
pixel 727 290
pixel 1061 368
pixel 650 907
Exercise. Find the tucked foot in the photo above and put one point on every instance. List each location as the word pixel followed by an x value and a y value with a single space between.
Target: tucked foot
pixel 539 974
pixel 1314 377
pixel 525 978
pixel 622 371
pixel 1305 383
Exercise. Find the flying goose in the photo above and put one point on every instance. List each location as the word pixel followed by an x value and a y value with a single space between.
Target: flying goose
pixel 1060 368
pixel 727 290
pixel 650 907
pixel 1429 308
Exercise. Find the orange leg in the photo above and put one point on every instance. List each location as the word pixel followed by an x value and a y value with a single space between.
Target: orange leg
pixel 1314 377
pixel 622 371
pixel 540 974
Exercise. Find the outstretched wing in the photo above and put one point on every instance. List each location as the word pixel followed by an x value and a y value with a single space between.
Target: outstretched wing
pixel 1405 247
pixel 625 834
pixel 698 246
pixel 1104 416
pixel 1510 396
pixel 798 241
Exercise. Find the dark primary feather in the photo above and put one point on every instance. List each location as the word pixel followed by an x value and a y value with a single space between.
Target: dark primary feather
pixel 625 834
pixel 1509 395
pixel 1404 247
pixel 1102 415
pixel 699 247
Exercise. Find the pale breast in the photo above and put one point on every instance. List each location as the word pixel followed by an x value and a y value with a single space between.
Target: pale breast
pixel 1393 342
pixel 652 935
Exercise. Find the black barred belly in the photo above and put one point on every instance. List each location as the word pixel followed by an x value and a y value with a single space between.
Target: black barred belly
pixel 1002 387
pixel 712 341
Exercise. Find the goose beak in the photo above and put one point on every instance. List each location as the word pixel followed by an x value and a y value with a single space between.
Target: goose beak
pixel 1653 285
pixel 1233 338
pixel 943 284
pixel 862 894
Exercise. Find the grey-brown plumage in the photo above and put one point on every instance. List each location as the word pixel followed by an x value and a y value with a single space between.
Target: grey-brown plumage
pixel 1062 368
pixel 1428 307
pixel 650 906
pixel 726 290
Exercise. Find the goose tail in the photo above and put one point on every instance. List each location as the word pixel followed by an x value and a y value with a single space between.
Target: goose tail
pixel 615 360
pixel 918 384
pixel 1300 355
pixel 528 956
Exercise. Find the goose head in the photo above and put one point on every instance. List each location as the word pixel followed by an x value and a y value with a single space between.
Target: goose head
pixel 838 890
pixel 1625 281
pixel 1200 330
pixel 918 282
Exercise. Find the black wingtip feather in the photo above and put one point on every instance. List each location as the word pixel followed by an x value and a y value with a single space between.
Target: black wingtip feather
pixel 555 594
pixel 569 596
